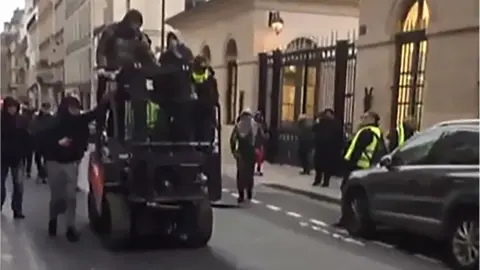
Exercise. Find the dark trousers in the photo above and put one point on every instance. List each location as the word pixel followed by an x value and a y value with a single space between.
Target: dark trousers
pixel 179 120
pixel 119 108
pixel 345 178
pixel 204 116
pixel 322 177
pixel 17 194
pixel 40 163
pixel 305 156
pixel 245 173
pixel 27 162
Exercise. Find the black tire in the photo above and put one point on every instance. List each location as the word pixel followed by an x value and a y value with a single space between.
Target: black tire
pixel 93 216
pixel 201 227
pixel 115 220
pixel 357 219
pixel 453 253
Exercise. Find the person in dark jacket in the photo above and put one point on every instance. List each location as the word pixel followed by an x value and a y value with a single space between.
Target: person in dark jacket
pixel 305 147
pixel 207 96
pixel 26 116
pixel 328 143
pixel 65 144
pixel 404 131
pixel 43 117
pixel 242 145
pixel 13 149
pixel 260 142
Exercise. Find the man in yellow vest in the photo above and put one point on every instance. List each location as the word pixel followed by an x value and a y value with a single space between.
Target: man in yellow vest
pixel 206 91
pixel 365 149
pixel 404 131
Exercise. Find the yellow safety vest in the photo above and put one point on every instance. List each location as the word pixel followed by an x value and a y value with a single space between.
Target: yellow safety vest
pixel 200 77
pixel 400 135
pixel 152 114
pixel 365 159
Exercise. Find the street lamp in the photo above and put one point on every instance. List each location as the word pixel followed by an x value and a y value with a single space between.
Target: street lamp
pixel 276 22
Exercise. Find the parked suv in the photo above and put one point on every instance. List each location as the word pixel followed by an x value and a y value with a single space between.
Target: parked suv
pixel 428 186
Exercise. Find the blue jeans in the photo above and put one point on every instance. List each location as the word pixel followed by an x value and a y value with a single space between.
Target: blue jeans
pixel 17 194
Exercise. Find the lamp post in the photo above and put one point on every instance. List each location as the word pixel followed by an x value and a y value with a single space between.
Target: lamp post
pixel 276 22
pixel 162 44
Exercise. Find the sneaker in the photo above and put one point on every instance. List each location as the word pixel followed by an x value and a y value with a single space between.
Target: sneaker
pixel 72 234
pixel 52 227
pixel 18 215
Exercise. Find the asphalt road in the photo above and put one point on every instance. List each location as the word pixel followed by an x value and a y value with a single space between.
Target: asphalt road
pixel 277 231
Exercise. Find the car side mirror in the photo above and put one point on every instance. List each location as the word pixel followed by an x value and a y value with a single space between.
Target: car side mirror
pixel 386 161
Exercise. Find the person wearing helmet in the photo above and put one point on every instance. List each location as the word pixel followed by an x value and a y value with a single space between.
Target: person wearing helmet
pixel 206 90
pixel 122 45
pixel 242 145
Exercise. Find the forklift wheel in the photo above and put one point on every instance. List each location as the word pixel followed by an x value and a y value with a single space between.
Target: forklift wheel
pixel 201 227
pixel 116 217
pixel 93 216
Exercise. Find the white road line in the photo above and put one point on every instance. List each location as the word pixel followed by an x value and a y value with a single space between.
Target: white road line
pixel 303 224
pixel 273 207
pixel 225 190
pixel 337 236
pixel 385 245
pixel 319 229
pixel 423 257
pixel 353 241
pixel 318 222
pixel 256 201
pixel 235 195
pixel 294 214
pixel 342 231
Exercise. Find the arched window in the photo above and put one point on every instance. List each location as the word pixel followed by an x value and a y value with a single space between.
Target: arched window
pixel 231 55
pixel 301 43
pixel 411 62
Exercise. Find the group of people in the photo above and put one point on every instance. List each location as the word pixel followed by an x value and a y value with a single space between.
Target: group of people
pixel 19 148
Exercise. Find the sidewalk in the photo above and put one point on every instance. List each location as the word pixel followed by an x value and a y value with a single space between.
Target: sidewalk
pixel 288 178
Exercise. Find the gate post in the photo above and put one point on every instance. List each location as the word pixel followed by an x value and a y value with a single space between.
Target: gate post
pixel 341 59
pixel 272 148
pixel 262 83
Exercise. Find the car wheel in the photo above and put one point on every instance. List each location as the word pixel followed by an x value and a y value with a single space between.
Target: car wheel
pixel 462 248
pixel 356 217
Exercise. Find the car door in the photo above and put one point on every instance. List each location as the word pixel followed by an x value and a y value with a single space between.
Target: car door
pixel 392 193
pixel 455 151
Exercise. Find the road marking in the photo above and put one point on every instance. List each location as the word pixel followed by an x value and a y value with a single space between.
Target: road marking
pixel 385 245
pixel 235 195
pixel 318 222
pixel 337 236
pixel 294 214
pixel 342 231
pixel 303 224
pixel 273 207
pixel 423 257
pixel 353 241
pixel 319 229
pixel 256 201
pixel 225 190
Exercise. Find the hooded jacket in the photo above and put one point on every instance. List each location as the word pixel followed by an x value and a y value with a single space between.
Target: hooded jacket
pixel 74 127
pixel 14 138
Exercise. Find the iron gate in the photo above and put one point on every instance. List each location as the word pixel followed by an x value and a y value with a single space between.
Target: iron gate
pixel 304 82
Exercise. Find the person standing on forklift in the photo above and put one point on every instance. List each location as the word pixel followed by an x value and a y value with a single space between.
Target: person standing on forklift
pixel 207 98
pixel 242 145
pixel 366 148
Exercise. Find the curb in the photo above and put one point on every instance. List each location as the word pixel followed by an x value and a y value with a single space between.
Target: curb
pixel 309 194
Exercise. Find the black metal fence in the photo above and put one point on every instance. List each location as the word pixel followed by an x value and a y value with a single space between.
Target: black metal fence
pixel 304 82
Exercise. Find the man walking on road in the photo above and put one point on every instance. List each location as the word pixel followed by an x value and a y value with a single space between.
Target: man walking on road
pixel 14 140
pixel 242 145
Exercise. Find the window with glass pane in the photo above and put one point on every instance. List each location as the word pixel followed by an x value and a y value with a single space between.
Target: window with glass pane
pixel 311 85
pixel 288 94
pixel 416 150
pixel 458 147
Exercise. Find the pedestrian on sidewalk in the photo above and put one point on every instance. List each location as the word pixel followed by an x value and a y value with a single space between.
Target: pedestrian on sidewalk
pixel 260 142
pixel 329 141
pixel 242 145
pixel 65 144
pixel 14 139
pixel 305 143
pixel 365 150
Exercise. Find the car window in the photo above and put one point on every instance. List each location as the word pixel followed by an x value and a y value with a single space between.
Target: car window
pixel 416 150
pixel 458 147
